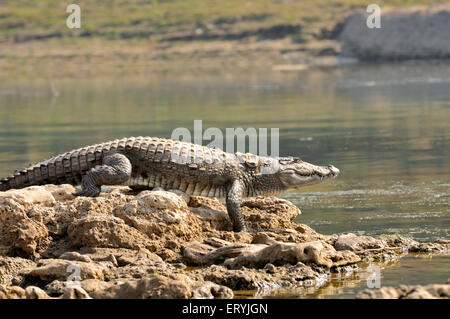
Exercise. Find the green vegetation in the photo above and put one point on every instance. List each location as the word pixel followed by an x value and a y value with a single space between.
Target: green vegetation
pixel 137 18
pixel 129 36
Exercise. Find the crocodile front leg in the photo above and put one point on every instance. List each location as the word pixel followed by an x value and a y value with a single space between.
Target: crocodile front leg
pixel 116 169
pixel 233 200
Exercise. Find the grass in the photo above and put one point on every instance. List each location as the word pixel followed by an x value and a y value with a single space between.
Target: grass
pixel 116 32
pixel 106 17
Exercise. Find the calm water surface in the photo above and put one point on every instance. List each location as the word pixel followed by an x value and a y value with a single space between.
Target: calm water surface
pixel 385 126
pixel 410 270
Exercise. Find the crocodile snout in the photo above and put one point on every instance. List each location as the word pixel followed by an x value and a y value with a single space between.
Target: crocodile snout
pixel 333 169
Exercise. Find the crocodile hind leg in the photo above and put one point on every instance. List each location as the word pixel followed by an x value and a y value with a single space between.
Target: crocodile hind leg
pixel 233 200
pixel 115 170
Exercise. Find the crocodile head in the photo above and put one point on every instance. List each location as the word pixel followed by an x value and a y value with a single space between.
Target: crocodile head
pixel 295 173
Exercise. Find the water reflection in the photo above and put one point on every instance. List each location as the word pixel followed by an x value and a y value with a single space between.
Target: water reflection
pixel 411 270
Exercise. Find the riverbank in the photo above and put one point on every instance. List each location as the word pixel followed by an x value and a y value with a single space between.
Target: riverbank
pixel 159 244
pixel 180 37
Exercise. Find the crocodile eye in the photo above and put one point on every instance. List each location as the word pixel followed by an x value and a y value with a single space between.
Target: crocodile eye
pixel 251 163
pixel 285 160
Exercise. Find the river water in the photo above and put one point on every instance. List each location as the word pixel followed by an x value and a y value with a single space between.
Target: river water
pixel 385 126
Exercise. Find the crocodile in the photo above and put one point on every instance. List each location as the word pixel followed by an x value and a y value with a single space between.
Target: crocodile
pixel 152 162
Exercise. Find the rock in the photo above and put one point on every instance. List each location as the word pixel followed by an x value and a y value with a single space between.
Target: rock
pixel 28 196
pixel 163 201
pixel 154 206
pixel 22 235
pixel 288 235
pixel 164 218
pixel 258 255
pixel 207 202
pixel 204 254
pixel 161 287
pixel 70 290
pixel 60 192
pixel 381 248
pixel 434 291
pixel 259 279
pixel 383 293
pixel 141 257
pixel 11 268
pixel 180 194
pixel 208 290
pixel 127 263
pixel 56 288
pixel 26 237
pixel 357 243
pixel 260 212
pixel 32 292
pixel 264 238
pixel 139 265
pixel 99 254
pixel 270 268
pixel 92 285
pixel 154 212
pixel 436 247
pixel 269 212
pixel 291 253
pixel 105 231
pixel 397 241
pixel 11 292
pixel 73 255
pixel 195 252
pixel 58 269
pixel 75 292
pixel 211 211
pixel 240 279
pixel 396 39
pixel 120 256
pixel 140 246
pixel 440 291
pixel 419 293
pixel 65 213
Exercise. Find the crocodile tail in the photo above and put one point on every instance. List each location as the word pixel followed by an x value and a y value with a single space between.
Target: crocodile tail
pixel 67 168
pixel 51 171
pixel 4 185
pixel 16 180
pixel 38 174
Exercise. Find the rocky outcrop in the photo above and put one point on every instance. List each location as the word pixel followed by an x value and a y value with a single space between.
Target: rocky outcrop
pixel 407 33
pixel 163 244
pixel 60 269
pixel 434 291
pixel 11 267
pixel 156 287
pixel 278 253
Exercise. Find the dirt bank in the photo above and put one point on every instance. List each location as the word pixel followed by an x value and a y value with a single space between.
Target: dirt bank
pixel 284 36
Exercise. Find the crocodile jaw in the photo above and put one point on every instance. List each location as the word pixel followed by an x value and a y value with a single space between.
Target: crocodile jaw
pixel 297 175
